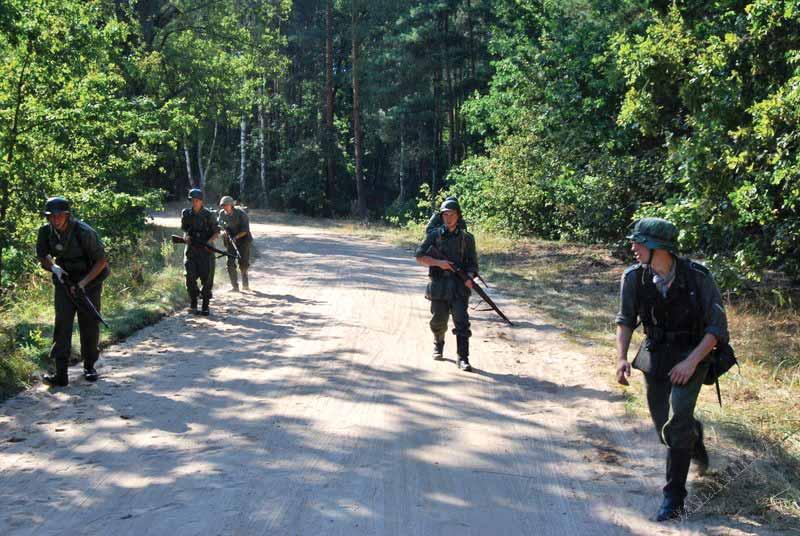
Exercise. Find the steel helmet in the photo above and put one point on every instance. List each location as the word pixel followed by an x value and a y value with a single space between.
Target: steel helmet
pixel 655 233
pixel 56 205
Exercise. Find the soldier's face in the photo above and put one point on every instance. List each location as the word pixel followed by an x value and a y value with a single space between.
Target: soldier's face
pixel 197 204
pixel 641 252
pixel 228 208
pixel 450 219
pixel 59 221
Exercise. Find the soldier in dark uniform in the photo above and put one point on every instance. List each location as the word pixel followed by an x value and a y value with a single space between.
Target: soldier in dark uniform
pixel 73 252
pixel 199 229
pixel 447 293
pixel 680 307
pixel 236 228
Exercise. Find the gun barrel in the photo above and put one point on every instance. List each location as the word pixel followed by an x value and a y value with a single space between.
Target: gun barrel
pixel 434 252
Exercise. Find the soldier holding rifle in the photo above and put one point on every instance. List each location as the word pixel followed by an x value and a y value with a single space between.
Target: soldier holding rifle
pixel 448 293
pixel 200 229
pixel 236 226
pixel 73 252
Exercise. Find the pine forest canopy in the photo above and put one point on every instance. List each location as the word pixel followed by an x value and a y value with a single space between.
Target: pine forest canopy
pixel 552 118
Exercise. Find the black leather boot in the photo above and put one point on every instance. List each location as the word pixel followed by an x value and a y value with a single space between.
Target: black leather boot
pixel 193 304
pixel 60 378
pixel 678 461
pixel 699 453
pixel 245 281
pixel 438 349
pixel 462 347
pixel 205 311
pixel 90 374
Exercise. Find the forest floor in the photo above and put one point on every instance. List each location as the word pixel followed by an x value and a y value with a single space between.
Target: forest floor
pixel 311 405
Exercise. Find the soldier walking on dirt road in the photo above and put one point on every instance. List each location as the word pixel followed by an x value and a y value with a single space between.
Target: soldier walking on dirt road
pixel 235 225
pixel 73 252
pixel 680 307
pixel 448 294
pixel 200 229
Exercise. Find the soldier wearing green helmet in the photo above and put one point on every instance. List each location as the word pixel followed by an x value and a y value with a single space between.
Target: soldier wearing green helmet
pixel 448 294
pixel 680 307
pixel 200 228
pixel 235 225
pixel 73 252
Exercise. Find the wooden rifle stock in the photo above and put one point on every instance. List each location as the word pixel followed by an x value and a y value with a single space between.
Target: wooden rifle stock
pixel 434 252
pixel 180 240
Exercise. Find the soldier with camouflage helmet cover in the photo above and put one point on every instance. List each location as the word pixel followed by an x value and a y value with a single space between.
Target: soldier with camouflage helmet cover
pixel 235 226
pixel 680 307
pixel 436 218
pixel 200 228
pixel 448 294
pixel 74 253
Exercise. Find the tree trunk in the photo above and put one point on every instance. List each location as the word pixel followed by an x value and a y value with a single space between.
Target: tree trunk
pixel 360 193
pixel 448 80
pixel 329 132
pixel 243 154
pixel 5 186
pixel 204 167
pixel 262 160
pixel 188 163
pixel 402 196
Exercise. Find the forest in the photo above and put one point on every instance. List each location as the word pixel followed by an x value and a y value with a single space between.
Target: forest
pixel 559 119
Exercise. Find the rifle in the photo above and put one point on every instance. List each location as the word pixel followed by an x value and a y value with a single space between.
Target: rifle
pixel 232 240
pixel 434 252
pixel 81 301
pixel 180 240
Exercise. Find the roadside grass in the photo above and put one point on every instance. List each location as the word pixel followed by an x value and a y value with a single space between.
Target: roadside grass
pixel 754 437
pixel 144 285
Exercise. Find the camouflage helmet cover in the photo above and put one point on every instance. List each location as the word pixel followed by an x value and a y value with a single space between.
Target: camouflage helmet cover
pixel 195 193
pixel 655 233
pixel 55 205
pixel 451 203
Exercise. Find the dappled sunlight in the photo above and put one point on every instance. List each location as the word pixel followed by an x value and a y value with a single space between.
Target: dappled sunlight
pixel 312 405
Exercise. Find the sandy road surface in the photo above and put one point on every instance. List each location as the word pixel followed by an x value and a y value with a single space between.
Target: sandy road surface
pixel 312 406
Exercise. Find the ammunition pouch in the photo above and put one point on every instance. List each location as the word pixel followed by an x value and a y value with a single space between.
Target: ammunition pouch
pixel 721 360
pixel 662 350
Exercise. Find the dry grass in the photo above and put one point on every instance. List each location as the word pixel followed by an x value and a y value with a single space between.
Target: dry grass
pixel 756 434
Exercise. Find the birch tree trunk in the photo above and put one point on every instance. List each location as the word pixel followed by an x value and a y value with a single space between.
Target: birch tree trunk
pixel 188 163
pixel 243 155
pixel 262 160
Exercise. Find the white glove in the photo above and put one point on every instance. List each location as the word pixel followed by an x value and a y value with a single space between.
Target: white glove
pixel 58 272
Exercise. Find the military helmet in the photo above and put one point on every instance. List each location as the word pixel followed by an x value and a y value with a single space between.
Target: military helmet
pixel 226 200
pixel 451 203
pixel 195 193
pixel 55 205
pixel 655 233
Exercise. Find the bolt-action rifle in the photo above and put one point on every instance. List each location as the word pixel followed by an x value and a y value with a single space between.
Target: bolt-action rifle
pixel 435 253
pixel 80 300
pixel 180 240
pixel 232 240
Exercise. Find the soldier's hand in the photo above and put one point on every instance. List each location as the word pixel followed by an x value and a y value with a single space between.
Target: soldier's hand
pixel 469 283
pixel 446 265
pixel 188 240
pixel 623 371
pixel 682 372
pixel 59 272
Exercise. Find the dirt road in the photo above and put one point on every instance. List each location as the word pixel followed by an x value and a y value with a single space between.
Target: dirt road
pixel 311 406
